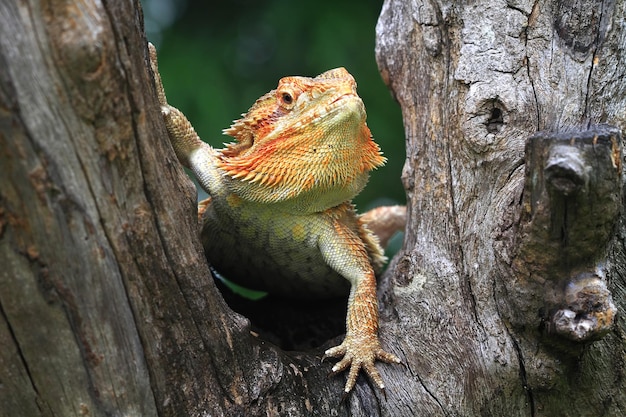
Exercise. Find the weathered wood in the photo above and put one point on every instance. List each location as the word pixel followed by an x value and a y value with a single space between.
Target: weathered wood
pixel 107 306
pixel 475 81
pixel 572 201
pixel 103 297
pixel 69 343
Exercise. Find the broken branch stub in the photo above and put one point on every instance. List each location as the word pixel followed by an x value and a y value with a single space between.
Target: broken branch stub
pixel 572 201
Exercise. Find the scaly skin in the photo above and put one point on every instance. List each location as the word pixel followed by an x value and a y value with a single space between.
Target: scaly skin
pixel 279 217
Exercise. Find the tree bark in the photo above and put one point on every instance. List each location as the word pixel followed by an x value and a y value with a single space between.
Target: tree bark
pixel 507 298
pixel 514 254
pixel 104 298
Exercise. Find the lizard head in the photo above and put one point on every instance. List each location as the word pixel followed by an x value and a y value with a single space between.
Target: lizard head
pixel 305 142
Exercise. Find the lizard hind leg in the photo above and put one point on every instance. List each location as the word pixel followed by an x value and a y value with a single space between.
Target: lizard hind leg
pixel 385 221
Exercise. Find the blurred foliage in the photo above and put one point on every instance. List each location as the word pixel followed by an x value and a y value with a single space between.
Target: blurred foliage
pixel 217 58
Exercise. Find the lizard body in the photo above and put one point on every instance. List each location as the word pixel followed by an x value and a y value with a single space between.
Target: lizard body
pixel 282 251
pixel 279 217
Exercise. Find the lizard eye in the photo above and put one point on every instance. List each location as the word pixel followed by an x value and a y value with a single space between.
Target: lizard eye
pixel 287 98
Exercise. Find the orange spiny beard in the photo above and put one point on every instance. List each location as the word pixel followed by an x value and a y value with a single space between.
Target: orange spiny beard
pixel 299 161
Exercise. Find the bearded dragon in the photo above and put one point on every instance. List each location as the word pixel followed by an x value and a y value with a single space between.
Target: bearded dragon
pixel 279 216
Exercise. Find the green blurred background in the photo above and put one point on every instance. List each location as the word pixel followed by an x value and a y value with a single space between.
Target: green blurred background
pixel 217 58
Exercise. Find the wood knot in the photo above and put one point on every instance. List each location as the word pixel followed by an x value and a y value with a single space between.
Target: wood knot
pixel 565 169
pixel 587 313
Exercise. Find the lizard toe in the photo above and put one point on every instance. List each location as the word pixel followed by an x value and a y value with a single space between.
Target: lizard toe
pixel 357 355
pixel 387 357
pixel 353 373
pixel 335 352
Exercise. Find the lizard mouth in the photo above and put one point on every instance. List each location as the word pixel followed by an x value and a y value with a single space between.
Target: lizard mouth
pixel 346 105
pixel 343 97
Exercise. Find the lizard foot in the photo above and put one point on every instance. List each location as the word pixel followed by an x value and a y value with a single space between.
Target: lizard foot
pixel 202 207
pixel 360 353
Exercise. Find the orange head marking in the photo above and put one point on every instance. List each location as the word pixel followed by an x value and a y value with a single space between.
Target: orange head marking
pixel 307 135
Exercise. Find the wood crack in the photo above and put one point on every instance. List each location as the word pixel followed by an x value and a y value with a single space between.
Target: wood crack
pixel 531 19
pixel 594 58
pixel 518 354
pixel 21 355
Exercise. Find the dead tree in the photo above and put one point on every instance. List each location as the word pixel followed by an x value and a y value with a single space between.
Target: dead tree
pixel 507 298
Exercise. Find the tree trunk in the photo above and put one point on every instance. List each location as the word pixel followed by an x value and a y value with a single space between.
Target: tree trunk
pixel 105 299
pixel 503 300
pixel 500 295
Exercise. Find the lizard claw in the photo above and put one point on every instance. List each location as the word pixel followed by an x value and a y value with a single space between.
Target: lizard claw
pixel 360 353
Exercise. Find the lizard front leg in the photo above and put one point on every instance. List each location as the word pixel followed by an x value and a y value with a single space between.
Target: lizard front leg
pixel 346 252
pixel 190 150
